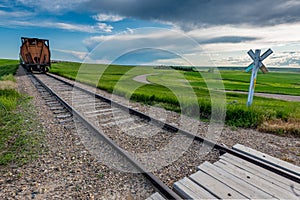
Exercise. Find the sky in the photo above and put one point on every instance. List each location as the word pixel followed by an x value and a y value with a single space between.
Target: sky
pixel 156 32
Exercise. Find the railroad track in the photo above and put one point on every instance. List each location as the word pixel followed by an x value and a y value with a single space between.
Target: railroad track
pixel 102 122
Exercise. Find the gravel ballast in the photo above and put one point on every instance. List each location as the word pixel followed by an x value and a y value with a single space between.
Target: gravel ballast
pixel 171 155
pixel 171 167
pixel 68 170
pixel 285 148
pixel 65 169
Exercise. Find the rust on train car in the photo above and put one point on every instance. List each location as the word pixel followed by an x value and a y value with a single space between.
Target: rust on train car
pixel 35 54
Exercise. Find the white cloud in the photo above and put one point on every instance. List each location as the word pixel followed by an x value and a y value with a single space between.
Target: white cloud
pixel 129 30
pixel 290 59
pixel 107 18
pixel 164 43
pixel 266 36
pixel 141 35
pixel 219 53
pixel 98 28
pixel 52 5
pixel 15 14
pixel 105 27
pixel 70 27
pixel 283 37
pixel 78 54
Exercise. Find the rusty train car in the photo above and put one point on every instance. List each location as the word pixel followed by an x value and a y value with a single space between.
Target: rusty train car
pixel 35 54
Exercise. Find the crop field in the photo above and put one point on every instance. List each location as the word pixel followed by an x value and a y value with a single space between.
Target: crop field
pixel 182 91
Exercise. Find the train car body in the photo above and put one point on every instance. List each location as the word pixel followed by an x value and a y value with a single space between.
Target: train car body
pixel 35 54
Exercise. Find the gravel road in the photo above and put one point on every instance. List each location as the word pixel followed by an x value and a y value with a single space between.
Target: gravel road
pixel 142 78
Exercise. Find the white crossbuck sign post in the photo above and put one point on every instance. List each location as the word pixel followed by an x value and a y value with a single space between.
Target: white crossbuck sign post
pixel 255 66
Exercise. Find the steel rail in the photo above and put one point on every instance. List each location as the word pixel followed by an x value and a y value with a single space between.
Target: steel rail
pixel 281 171
pixel 157 183
pixel 162 188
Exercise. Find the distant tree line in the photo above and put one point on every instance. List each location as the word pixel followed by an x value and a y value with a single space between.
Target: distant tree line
pixel 176 68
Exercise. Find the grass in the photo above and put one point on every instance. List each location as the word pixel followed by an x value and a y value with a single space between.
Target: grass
pixel 186 91
pixel 20 133
pixel 273 82
pixel 4 62
pixel 8 67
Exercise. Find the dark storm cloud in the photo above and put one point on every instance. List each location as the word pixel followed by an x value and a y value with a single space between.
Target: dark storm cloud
pixel 194 13
pixel 228 39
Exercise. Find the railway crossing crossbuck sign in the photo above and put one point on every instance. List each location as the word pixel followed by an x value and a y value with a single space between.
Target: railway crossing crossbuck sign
pixel 255 66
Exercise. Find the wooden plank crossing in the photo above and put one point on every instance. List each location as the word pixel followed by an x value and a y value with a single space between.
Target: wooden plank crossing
pixel 234 178
pixel 216 187
pixel 261 172
pixel 239 185
pixel 254 180
pixel 189 189
pixel 268 159
pixel 156 196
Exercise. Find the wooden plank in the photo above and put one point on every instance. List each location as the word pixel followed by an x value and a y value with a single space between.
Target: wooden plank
pixel 257 181
pixel 235 183
pixel 258 170
pixel 156 196
pixel 187 189
pixel 268 159
pixel 214 186
pixel 264 173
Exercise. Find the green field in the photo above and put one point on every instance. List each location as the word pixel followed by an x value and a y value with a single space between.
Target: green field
pixel 20 132
pixel 8 67
pixel 185 91
pixel 273 82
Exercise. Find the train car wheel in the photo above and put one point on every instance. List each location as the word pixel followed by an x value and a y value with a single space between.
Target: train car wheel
pixel 43 70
